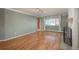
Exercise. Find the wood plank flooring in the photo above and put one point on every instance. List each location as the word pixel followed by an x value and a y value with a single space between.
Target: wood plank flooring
pixel 34 41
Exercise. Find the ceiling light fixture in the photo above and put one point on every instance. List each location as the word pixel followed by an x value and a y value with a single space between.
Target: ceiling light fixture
pixel 39 10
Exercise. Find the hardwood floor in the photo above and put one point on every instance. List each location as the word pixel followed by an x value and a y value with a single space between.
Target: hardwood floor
pixel 35 41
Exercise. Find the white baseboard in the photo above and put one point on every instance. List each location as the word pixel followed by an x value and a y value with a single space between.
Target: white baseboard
pixel 17 36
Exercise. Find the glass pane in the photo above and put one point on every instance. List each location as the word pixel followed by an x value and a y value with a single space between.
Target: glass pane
pixel 50 22
pixel 57 21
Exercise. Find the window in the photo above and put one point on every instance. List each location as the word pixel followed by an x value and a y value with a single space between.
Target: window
pixel 52 22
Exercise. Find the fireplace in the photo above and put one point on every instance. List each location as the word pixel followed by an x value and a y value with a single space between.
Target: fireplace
pixel 67 35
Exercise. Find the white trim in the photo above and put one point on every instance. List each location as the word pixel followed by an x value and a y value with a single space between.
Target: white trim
pixel 20 11
pixel 59 23
pixel 44 24
pixel 17 36
pixel 40 25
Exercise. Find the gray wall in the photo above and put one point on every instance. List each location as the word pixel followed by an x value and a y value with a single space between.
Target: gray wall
pixel 18 24
pixel 64 20
pixel 78 28
pixel 73 12
pixel 2 34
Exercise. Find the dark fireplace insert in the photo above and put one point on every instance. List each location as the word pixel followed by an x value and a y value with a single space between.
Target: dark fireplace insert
pixel 67 35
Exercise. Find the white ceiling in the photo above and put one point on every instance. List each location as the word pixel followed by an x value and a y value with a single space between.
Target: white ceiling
pixel 43 11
